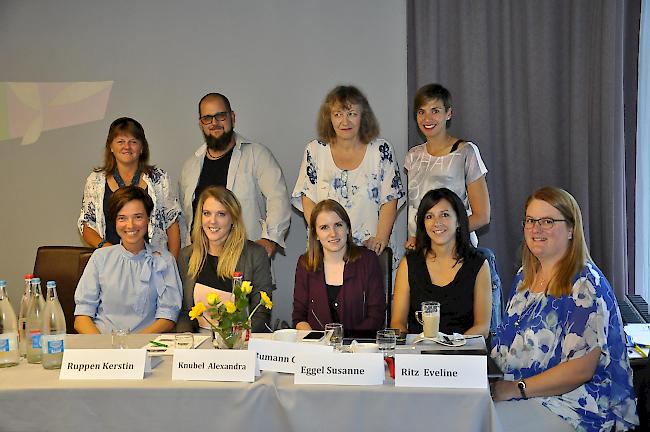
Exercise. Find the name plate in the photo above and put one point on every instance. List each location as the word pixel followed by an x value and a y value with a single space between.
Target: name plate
pixel 278 356
pixel 103 364
pixel 339 369
pixel 449 371
pixel 213 365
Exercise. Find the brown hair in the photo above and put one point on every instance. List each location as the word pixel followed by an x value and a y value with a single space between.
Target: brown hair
pixel 124 195
pixel 577 253
pixel 346 96
pixel 234 245
pixel 122 126
pixel 314 255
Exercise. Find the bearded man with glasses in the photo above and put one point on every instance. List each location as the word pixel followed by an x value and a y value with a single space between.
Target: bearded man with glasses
pixel 248 169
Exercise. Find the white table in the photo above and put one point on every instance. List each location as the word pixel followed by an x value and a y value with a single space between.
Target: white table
pixel 33 399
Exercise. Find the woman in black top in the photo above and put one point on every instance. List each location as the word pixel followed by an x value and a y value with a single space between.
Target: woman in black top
pixel 444 267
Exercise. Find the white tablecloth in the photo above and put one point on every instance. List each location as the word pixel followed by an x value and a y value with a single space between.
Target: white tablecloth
pixel 33 399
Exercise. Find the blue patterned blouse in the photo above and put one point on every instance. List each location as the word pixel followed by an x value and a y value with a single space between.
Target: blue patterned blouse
pixel 541 331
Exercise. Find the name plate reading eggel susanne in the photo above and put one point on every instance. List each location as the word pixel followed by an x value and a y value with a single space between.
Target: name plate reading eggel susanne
pixel 213 365
pixel 103 364
pixel 339 369
pixel 448 371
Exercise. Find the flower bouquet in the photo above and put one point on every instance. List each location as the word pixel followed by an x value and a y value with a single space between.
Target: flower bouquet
pixel 230 320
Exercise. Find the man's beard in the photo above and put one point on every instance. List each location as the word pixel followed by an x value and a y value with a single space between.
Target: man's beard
pixel 221 143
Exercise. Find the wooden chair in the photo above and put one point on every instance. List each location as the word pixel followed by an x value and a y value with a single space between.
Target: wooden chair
pixel 64 265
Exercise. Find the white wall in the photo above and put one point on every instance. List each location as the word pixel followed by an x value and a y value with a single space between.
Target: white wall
pixel 274 59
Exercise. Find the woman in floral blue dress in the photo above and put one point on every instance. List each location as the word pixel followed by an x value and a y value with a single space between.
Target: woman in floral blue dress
pixel 350 165
pixel 562 337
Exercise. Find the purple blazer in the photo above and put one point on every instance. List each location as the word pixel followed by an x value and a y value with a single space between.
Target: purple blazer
pixel 361 301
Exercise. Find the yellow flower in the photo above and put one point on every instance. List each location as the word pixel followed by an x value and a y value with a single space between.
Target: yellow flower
pixel 213 299
pixel 197 310
pixel 230 307
pixel 266 300
pixel 246 287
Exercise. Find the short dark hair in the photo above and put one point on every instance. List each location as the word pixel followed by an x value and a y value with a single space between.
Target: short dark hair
pixel 225 100
pixel 127 194
pixel 431 92
pixel 464 248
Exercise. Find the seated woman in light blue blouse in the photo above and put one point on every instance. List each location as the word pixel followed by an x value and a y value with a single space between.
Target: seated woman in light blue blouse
pixel 562 337
pixel 129 285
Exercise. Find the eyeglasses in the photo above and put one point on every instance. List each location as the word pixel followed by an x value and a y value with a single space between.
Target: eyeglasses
pixel 546 224
pixel 344 184
pixel 220 116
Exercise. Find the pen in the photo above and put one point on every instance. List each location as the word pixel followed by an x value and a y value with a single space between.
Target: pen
pixel 158 344
pixel 640 351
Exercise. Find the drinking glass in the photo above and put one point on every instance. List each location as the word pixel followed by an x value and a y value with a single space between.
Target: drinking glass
pixel 429 317
pixel 119 338
pixel 386 341
pixel 334 335
pixel 184 340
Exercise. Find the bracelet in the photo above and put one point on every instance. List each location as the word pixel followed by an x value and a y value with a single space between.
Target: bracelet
pixel 101 244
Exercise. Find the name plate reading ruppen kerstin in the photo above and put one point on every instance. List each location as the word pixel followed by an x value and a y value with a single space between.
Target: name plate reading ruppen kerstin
pixel 102 364
pixel 449 371
pixel 278 356
pixel 213 365
pixel 339 369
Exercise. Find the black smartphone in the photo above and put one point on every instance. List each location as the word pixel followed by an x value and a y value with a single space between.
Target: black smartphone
pixel 314 335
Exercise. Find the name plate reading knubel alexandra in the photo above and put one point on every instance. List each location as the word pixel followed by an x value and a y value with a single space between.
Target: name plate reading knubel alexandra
pixel 214 365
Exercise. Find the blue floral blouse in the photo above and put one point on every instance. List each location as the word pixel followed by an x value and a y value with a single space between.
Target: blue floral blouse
pixel 541 331
pixel 361 191
pixel 166 208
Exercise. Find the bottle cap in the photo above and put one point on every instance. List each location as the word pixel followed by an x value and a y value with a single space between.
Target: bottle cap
pixel 36 280
pixel 29 276
pixel 51 284
pixel 3 283
pixel 237 274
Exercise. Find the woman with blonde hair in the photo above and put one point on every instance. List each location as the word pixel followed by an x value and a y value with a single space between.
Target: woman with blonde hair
pixel 562 337
pixel 220 248
pixel 336 280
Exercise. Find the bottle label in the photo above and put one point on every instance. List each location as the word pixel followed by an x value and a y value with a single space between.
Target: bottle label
pixel 8 342
pixel 35 337
pixel 53 344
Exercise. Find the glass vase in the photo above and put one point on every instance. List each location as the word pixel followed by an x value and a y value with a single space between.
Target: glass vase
pixel 230 338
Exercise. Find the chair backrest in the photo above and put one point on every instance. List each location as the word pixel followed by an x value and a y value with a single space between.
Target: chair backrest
pixel 65 265
pixel 386 264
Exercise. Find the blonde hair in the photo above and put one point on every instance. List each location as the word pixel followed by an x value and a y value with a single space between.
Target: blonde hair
pixel 577 253
pixel 314 255
pixel 234 244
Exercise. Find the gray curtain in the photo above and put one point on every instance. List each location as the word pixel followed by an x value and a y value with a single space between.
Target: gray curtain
pixel 538 86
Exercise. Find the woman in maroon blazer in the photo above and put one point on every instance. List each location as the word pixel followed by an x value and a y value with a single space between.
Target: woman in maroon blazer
pixel 337 281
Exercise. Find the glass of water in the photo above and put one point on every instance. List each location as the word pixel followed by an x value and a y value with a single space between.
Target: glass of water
pixel 119 338
pixel 386 340
pixel 184 341
pixel 334 335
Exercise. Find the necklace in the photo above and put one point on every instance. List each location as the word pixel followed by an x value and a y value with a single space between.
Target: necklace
pixel 120 181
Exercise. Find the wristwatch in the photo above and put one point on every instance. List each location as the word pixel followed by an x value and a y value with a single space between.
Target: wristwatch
pixel 522 389
pixel 101 244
